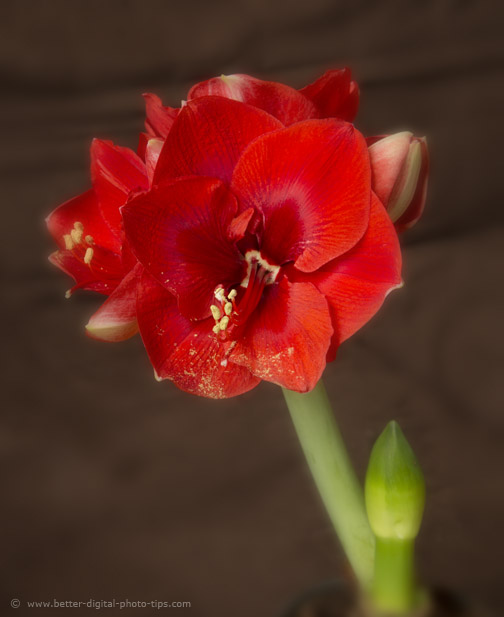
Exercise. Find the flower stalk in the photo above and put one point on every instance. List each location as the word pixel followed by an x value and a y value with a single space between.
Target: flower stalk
pixel 334 476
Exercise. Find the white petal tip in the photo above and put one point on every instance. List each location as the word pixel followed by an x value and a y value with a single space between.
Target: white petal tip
pixel 110 332
pixel 398 286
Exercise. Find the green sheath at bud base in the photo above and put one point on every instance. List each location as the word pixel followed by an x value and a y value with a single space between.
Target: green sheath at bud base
pixel 395 497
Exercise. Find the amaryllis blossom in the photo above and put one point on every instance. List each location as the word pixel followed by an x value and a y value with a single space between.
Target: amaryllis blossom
pixel 247 238
pixel 400 168
pixel 263 247
pixel 88 231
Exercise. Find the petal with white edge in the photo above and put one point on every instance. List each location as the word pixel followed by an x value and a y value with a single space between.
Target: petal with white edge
pixel 116 320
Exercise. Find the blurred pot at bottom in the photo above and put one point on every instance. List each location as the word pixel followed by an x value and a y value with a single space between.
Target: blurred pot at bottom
pixel 338 599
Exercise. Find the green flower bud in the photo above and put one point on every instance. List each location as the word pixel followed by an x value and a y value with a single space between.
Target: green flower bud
pixel 395 487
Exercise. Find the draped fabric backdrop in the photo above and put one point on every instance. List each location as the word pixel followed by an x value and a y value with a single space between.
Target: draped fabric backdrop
pixel 116 486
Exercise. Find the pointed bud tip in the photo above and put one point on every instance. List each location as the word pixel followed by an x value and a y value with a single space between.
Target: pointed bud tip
pixel 393 436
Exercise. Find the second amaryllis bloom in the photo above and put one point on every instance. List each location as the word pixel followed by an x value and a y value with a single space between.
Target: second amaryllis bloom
pixel 88 232
pixel 263 248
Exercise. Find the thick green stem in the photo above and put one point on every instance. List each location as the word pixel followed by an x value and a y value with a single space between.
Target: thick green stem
pixel 334 476
pixel 393 585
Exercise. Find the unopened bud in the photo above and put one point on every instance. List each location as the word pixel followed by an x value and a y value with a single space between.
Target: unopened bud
pixel 399 172
pixel 395 487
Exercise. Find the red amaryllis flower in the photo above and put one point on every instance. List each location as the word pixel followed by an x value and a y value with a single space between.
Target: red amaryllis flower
pixel 88 230
pixel 263 248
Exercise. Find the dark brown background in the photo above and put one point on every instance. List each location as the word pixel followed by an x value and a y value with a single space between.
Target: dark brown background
pixel 117 486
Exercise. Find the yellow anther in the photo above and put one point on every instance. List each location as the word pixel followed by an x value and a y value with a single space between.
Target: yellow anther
pixel 89 239
pixel 68 293
pixel 78 226
pixel 228 308
pixel 216 329
pixel 224 322
pixel 69 243
pixel 219 294
pixel 232 294
pixel 216 314
pixel 76 235
pixel 88 256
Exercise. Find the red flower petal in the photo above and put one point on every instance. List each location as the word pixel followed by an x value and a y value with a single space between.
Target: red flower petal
pixel 101 282
pixel 312 182
pixel 159 119
pixel 287 336
pixel 334 94
pixel 357 283
pixel 279 100
pixel 115 172
pixel 209 136
pixel 239 225
pixel 179 232
pixel 187 353
pixel 84 209
pixel 143 138
pixel 116 319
